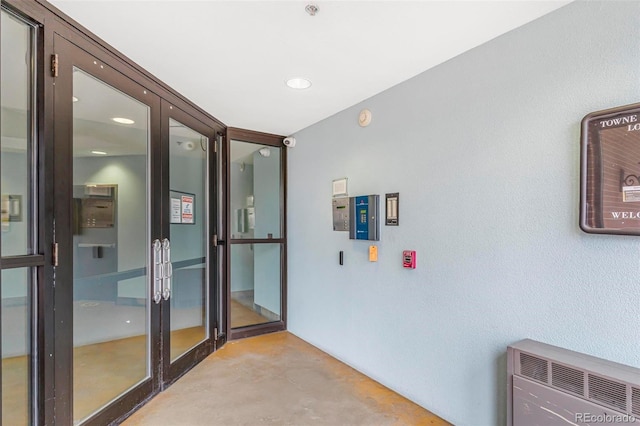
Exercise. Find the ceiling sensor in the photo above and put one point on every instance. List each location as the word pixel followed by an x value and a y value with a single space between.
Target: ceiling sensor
pixel 311 9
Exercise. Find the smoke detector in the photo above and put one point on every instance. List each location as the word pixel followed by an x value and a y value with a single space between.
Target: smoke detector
pixel 311 9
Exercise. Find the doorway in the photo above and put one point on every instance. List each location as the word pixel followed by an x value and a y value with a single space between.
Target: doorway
pixel 257 233
pixel 135 267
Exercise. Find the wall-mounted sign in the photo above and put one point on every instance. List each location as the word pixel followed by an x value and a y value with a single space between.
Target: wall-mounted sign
pixel 610 171
pixel 182 208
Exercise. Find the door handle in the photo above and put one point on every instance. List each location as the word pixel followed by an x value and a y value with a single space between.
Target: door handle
pixel 167 269
pixel 158 272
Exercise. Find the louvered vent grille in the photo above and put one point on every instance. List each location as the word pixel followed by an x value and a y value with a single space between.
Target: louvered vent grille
pixel 608 392
pixel 535 368
pixel 635 401
pixel 567 378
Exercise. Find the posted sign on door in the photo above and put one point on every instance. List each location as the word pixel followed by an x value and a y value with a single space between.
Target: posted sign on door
pixel 183 208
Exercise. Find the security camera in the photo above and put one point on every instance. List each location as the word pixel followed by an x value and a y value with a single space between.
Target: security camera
pixel 290 141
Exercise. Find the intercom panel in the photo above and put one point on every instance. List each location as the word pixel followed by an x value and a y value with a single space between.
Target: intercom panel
pixel 341 214
pixel 364 218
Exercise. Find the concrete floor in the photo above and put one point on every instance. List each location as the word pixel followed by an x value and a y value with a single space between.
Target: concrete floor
pixel 278 379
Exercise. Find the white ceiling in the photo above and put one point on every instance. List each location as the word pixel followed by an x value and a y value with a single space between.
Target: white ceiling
pixel 232 57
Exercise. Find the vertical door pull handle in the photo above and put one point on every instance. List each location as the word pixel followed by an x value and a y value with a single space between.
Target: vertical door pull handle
pixel 158 272
pixel 167 269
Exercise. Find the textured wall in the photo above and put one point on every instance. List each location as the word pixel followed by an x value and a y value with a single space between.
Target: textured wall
pixel 484 151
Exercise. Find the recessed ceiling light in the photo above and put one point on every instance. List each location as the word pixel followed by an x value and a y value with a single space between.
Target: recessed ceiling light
pixel 299 83
pixel 99 152
pixel 123 120
pixel 74 99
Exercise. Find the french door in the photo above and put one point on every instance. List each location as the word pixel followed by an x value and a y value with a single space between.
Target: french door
pixel 189 328
pixel 134 280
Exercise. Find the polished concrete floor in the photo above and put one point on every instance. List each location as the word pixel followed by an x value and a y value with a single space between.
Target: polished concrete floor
pixel 101 372
pixel 242 316
pixel 277 379
pixel 272 379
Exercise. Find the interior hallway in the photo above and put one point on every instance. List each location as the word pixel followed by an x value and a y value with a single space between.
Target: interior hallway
pixel 278 379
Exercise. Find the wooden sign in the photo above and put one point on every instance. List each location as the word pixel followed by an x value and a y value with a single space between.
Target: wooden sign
pixel 610 171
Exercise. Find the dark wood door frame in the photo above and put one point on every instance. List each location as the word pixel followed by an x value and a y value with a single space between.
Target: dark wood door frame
pixel 276 141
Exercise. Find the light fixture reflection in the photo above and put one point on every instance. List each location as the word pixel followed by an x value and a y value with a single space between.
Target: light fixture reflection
pixel 99 152
pixel 122 120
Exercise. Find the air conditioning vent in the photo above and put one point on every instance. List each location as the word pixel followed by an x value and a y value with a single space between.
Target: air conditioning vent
pixel 546 379
pixel 635 401
pixel 534 368
pixel 567 378
pixel 608 392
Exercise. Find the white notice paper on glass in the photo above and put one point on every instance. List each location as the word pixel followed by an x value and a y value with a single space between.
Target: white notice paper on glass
pixel 175 210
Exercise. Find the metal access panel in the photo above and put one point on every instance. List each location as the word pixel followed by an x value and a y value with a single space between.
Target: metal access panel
pixel 552 386
pixel 340 207
pixel 364 218
pixel 536 404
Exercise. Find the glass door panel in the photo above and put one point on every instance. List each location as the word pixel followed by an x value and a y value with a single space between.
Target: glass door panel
pixel 256 194
pixel 111 234
pixel 16 128
pixel 16 347
pixel 17 242
pixel 189 228
pixel 255 284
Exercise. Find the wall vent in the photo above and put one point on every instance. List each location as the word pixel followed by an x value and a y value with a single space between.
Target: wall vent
pixel 534 368
pixel 635 401
pixel 555 386
pixel 608 392
pixel 567 378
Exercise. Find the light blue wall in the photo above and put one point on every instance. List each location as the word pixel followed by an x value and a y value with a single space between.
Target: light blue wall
pixel 484 151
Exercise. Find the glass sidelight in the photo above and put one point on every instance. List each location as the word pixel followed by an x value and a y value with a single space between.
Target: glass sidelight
pixel 111 234
pixel 18 220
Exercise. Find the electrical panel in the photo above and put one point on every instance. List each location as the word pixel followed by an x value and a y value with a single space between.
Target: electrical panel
pixel 364 218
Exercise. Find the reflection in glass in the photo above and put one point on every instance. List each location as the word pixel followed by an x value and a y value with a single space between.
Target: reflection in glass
pixel 16 350
pixel 110 244
pixel 16 119
pixel 255 284
pixel 255 191
pixel 189 230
